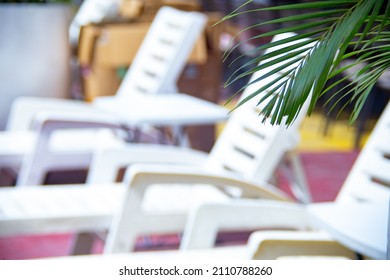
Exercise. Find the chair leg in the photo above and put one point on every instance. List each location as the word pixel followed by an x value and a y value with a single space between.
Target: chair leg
pixel 299 185
pixel 180 137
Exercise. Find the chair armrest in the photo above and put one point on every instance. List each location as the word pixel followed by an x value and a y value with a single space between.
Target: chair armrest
pixel 268 245
pixel 207 220
pixel 139 177
pixel 47 122
pixel 25 109
pixel 107 161
pixel 36 163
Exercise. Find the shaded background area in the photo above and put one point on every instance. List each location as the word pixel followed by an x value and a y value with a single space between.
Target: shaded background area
pixel 34 53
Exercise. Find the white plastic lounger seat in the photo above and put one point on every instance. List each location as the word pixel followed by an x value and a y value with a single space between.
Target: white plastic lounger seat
pixel 54 208
pixel 64 208
pixel 57 208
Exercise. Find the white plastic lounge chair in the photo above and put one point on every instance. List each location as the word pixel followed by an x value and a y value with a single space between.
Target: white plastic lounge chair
pixel 96 209
pixel 357 219
pixel 155 70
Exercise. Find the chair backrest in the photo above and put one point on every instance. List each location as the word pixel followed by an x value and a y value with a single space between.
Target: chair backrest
pixel 163 53
pixel 369 178
pixel 249 147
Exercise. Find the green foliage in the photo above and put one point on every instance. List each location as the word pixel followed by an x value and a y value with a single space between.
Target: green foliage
pixel 339 30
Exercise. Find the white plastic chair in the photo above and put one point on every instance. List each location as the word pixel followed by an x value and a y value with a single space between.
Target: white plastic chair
pixel 155 70
pixel 149 209
pixel 365 186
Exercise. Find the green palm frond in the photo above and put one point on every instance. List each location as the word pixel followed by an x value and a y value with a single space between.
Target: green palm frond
pixel 339 30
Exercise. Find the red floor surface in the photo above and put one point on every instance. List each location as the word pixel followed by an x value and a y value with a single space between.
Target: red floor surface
pixel 325 172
